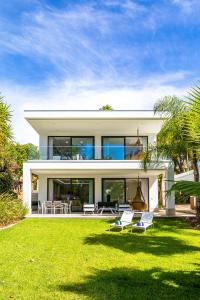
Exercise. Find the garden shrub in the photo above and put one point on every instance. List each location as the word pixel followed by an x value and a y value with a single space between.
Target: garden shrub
pixel 11 209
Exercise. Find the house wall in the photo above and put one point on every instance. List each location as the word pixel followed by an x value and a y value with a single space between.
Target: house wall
pixel 153 187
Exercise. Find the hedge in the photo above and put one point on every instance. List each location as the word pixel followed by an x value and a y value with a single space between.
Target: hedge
pixel 11 209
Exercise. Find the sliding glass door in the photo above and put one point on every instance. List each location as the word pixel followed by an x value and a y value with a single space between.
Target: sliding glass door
pixel 120 148
pixel 113 148
pixel 124 189
pixel 64 148
pixel 76 190
pixel 113 190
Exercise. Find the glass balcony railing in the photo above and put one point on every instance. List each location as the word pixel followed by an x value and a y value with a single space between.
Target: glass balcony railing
pixel 88 152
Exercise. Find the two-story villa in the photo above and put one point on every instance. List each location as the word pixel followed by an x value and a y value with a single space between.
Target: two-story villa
pixel 95 156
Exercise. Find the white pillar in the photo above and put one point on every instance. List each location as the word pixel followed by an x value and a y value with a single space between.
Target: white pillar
pixel 170 199
pixel 153 193
pixel 42 190
pixel 27 186
pixel 98 146
pixel 43 147
pixel 97 189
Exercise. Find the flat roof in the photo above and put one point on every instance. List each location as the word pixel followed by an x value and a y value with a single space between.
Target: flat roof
pixel 91 114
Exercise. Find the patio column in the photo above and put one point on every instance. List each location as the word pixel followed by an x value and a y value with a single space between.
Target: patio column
pixel 98 146
pixel 27 186
pixel 170 199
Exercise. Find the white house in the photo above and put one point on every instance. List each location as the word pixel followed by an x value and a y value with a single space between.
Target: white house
pixel 95 156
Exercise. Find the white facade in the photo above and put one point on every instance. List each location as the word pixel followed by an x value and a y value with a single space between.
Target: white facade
pixel 97 124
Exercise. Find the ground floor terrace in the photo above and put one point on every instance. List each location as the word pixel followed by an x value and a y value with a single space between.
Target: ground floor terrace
pixel 102 184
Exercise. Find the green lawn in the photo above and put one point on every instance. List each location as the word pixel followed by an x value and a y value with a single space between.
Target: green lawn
pixel 80 259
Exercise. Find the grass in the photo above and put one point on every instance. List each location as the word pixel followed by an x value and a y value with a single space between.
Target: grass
pixel 79 259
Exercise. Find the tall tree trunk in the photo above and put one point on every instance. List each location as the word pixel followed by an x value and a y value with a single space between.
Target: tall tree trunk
pixel 196 179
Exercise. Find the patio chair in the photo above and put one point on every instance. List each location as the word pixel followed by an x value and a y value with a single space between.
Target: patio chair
pixel 88 208
pixel 48 205
pixel 145 221
pixel 125 220
pixel 58 205
pixel 40 208
pixel 123 207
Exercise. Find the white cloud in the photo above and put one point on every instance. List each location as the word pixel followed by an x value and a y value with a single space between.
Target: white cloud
pixel 188 6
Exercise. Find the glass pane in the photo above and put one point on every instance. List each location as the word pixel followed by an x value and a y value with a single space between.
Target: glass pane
pixel 78 191
pixel 82 148
pixel 113 148
pixel 59 189
pixel 134 148
pixel 114 190
pixel 82 190
pixel 131 188
pixel 59 148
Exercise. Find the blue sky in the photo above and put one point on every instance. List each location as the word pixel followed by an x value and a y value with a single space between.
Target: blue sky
pixel 83 54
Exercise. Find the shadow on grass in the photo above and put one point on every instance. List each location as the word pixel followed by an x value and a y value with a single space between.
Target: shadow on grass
pixel 130 284
pixel 133 243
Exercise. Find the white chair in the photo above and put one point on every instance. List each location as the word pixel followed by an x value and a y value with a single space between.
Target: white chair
pixel 40 208
pixel 88 208
pixel 48 205
pixel 145 221
pixel 125 220
pixel 58 205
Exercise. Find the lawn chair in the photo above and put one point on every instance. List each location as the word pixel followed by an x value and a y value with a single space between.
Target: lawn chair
pixel 125 220
pixel 145 221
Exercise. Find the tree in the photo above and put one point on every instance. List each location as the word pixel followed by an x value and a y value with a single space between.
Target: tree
pixel 12 155
pixel 170 139
pixel 19 153
pixel 5 124
pixel 106 107
pixel 192 136
pixel 5 138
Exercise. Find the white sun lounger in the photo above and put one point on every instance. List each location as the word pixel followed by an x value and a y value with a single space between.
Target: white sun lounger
pixel 125 220
pixel 146 219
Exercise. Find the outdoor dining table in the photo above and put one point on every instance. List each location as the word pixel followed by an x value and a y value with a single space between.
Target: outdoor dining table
pixel 104 208
pixel 66 207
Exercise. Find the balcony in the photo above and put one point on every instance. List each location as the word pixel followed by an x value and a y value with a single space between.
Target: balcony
pixel 89 152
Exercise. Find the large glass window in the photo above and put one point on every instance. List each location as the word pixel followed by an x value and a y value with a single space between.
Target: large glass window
pixel 113 190
pixel 134 147
pixel 120 148
pixel 131 188
pixel 76 190
pixel 123 190
pixel 63 148
pixel 113 148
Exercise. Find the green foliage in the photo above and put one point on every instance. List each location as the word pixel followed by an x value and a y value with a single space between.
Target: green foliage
pixel 6 181
pixel 188 188
pixel 106 107
pixel 5 127
pixel 11 209
pixel 18 154
pixel 170 140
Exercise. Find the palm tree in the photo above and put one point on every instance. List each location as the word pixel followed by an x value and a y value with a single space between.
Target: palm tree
pixel 5 138
pixel 106 107
pixel 5 127
pixel 192 136
pixel 170 139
